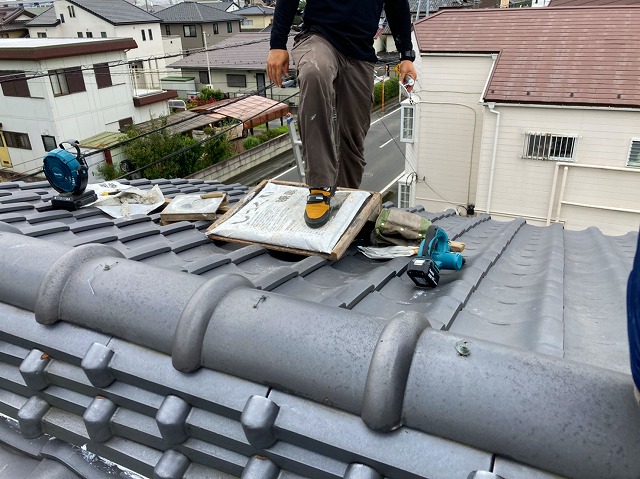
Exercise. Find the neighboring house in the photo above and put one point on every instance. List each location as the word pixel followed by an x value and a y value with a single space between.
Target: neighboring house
pixel 224 6
pixel 13 21
pixel 176 356
pixel 109 19
pixel 57 89
pixel 589 3
pixel 541 3
pixel 383 40
pixel 505 94
pixel 256 18
pixel 237 65
pixel 199 25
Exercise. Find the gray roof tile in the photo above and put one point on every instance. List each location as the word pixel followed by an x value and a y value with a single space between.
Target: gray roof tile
pixel 116 12
pixel 193 12
pixel 289 351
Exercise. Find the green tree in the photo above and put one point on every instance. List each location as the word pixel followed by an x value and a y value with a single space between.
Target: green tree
pixel 217 149
pixel 151 148
pixel 208 94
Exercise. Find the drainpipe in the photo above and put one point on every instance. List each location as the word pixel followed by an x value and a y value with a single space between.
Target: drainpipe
pixel 493 156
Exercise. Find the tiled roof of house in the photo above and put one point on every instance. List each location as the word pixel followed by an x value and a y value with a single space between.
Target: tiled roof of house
pixel 192 12
pixel 435 5
pixel 591 3
pixel 176 356
pixel 45 19
pixel 256 10
pixel 221 5
pixel 116 12
pixel 567 56
pixel 244 51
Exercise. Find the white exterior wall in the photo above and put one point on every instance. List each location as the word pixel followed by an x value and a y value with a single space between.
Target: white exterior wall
pixel 523 187
pixel 448 141
pixel 219 80
pixel 85 21
pixel 74 116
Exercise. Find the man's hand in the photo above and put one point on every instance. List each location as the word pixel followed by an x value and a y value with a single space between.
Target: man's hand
pixel 277 65
pixel 407 69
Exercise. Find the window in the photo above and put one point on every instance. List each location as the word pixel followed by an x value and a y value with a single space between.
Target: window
pixel 247 23
pixel 14 83
pixel 79 34
pixel 150 35
pixel 49 142
pixel 42 35
pixel 62 18
pixel 407 122
pixel 237 80
pixel 229 27
pixel 103 34
pixel 67 81
pixel 72 11
pixel 215 29
pixel 89 35
pixel 103 75
pixel 204 77
pixel 404 195
pixel 634 153
pixel 125 123
pixel 548 146
pixel 167 29
pixel 17 140
pixel 144 37
pixel 190 31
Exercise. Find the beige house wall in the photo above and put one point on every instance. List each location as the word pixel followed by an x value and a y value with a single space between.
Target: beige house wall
pixel 447 146
pixel 258 21
pixel 523 187
pixel 454 150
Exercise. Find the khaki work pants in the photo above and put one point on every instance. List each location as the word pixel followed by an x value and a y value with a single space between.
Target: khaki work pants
pixel 336 94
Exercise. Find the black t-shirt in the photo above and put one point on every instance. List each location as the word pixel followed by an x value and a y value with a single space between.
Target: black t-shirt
pixel 349 25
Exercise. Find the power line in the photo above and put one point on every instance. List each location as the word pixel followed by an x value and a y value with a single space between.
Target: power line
pixel 183 53
pixel 155 130
pixel 187 148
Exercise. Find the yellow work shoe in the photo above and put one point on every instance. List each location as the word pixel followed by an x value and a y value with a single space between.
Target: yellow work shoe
pixel 318 209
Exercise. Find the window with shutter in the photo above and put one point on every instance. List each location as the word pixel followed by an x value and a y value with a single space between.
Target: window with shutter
pixel 14 83
pixel 103 75
pixel 634 154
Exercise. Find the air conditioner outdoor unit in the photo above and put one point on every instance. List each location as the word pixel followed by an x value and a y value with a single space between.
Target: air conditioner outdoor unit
pixel 177 104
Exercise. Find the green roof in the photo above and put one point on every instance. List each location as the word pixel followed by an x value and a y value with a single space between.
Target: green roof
pixel 102 140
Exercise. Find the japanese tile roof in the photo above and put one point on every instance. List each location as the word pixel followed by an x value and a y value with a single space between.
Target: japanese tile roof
pixel 244 51
pixel 46 19
pixel 591 3
pixel 256 10
pixel 221 5
pixel 567 56
pixel 176 356
pixel 193 12
pixel 116 12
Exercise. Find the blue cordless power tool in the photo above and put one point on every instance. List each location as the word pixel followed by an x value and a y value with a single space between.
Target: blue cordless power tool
pixel 434 254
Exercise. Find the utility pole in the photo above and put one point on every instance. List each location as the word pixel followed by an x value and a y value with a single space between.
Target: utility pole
pixel 206 52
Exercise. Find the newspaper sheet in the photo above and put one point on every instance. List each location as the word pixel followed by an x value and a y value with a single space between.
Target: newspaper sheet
pixel 275 216
pixel 119 200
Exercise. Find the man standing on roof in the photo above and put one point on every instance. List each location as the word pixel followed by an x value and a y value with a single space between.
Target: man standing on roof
pixel 334 57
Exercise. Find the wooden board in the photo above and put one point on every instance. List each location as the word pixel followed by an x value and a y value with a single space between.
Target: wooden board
pixel 193 207
pixel 370 209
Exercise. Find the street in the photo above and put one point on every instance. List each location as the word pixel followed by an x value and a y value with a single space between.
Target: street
pixel 383 151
